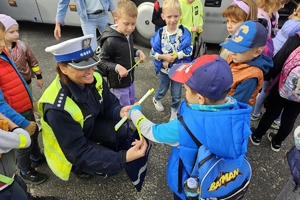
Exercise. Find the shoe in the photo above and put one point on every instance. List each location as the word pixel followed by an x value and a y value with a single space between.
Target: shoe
pixel 255 117
pixel 158 105
pixel 173 114
pixel 45 198
pixel 82 175
pixel 254 140
pixel 275 125
pixel 39 162
pixel 34 177
pixel 275 147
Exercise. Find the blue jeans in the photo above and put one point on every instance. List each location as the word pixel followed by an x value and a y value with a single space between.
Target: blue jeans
pixel 260 99
pixel 164 84
pixel 94 21
pixel 291 191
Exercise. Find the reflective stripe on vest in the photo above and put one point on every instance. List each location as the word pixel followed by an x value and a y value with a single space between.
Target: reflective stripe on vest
pixel 56 159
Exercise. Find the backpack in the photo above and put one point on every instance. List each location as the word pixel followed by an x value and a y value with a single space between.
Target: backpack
pixel 199 48
pixel 289 77
pixel 218 179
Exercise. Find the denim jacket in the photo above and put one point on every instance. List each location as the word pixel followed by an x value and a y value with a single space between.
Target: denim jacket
pixel 63 5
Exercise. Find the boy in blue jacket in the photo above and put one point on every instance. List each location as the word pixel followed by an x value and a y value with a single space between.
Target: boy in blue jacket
pixel 207 111
pixel 171 44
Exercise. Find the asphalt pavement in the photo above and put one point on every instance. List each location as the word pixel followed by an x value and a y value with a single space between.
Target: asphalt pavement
pixel 270 170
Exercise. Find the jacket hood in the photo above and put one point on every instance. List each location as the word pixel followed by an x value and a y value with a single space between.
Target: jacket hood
pixel 110 31
pixel 224 133
pixel 263 62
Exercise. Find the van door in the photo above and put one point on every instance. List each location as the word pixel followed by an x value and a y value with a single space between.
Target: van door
pixel 48 11
pixel 21 10
pixel 214 25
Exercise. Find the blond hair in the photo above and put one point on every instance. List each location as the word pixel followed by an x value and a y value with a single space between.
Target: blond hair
pixel 296 14
pixel 2 27
pixel 126 7
pixel 171 5
pixel 235 12
pixel 270 6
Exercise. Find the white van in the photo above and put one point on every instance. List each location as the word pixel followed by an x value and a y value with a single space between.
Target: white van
pixel 44 11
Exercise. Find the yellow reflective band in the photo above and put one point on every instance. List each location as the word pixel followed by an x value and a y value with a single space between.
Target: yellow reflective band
pixel 138 125
pixel 36 68
pixel 23 141
pixel 6 179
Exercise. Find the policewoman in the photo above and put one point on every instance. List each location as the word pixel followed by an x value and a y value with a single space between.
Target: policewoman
pixel 78 116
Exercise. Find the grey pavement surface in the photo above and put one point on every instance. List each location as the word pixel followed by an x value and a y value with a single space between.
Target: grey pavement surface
pixel 270 170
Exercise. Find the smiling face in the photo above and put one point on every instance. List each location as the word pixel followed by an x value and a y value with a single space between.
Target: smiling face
pixel 126 24
pixel 81 77
pixel 171 17
pixel 12 34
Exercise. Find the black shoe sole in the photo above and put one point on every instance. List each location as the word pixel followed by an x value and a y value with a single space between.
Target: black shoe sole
pixel 35 183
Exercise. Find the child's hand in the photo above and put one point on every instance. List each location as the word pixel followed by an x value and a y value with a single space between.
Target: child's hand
pixel 166 64
pixel 122 71
pixel 40 83
pixel 142 56
pixel 31 128
pixel 169 58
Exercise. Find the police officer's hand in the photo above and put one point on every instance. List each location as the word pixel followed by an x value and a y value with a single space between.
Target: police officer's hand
pixel 124 111
pixel 137 151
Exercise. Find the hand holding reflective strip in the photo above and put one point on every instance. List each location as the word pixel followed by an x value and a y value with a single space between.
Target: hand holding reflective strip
pixel 134 65
pixel 121 122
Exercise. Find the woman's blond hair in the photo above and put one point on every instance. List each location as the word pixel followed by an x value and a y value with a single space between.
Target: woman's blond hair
pixel 2 27
pixel 171 5
pixel 296 14
pixel 126 7
pixel 270 6
pixel 235 12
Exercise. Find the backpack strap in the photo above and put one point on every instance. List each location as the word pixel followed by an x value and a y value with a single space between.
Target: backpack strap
pixel 197 142
pixel 180 165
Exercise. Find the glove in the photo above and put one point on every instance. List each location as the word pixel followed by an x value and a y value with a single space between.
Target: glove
pixel 31 128
pixel 135 107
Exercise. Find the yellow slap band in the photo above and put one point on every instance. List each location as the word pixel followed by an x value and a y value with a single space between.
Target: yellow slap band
pixel 138 123
pixel 36 68
pixel 23 141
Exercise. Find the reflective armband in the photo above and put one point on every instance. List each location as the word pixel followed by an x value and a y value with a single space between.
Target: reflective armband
pixel 23 141
pixel 138 123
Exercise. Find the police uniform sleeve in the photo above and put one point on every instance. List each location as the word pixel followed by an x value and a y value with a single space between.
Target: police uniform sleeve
pixel 76 147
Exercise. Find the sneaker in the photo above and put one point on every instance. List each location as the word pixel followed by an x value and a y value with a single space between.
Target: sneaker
pixel 82 175
pixel 255 117
pixel 45 198
pixel 34 177
pixel 173 114
pixel 253 139
pixel 158 105
pixel 275 125
pixel 39 162
pixel 275 147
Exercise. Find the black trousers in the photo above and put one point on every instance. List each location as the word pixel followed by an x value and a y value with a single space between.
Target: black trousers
pixel 33 151
pixel 16 191
pixel 274 106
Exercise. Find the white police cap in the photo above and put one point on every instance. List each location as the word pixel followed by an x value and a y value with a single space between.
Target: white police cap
pixel 75 52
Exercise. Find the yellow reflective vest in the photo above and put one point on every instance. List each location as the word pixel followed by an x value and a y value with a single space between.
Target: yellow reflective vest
pixel 56 159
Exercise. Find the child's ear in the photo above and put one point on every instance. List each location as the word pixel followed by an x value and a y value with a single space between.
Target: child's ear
pixel 258 51
pixel 116 20
pixel 162 16
pixel 201 99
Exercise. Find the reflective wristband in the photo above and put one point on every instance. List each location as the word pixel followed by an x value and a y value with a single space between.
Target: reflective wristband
pixel 138 123
pixel 36 68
